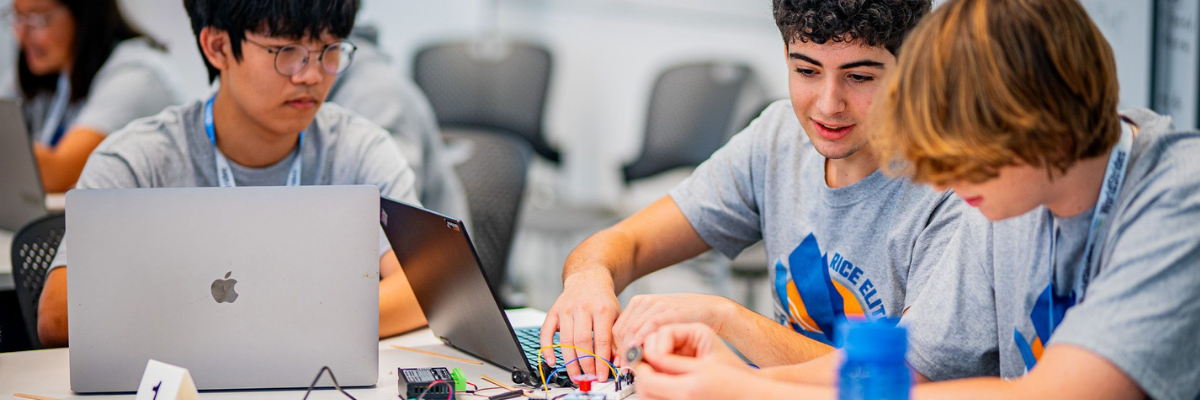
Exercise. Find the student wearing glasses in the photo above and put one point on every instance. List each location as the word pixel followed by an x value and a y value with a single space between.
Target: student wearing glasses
pixel 267 125
pixel 82 73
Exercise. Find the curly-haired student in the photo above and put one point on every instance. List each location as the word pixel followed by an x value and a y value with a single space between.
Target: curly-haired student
pixel 844 240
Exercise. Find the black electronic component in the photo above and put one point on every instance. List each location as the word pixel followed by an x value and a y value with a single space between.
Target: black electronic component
pixel 625 379
pixel 414 381
pixel 531 378
pixel 507 395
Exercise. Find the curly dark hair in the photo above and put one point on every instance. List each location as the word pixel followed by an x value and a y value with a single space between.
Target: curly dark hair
pixel 871 22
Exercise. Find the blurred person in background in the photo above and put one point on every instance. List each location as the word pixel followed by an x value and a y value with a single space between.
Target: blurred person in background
pixel 373 87
pixel 82 72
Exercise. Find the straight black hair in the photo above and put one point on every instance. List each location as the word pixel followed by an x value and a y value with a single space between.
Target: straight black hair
pixel 99 27
pixel 291 19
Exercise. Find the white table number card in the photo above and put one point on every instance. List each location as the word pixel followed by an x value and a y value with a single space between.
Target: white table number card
pixel 163 381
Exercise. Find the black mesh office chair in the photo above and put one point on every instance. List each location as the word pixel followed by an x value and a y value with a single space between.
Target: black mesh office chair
pixel 33 250
pixel 492 86
pixel 494 178
pixel 692 111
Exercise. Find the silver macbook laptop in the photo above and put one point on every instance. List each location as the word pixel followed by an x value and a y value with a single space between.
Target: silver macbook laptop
pixel 252 287
pixel 21 196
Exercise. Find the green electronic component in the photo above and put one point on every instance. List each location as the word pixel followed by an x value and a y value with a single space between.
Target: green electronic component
pixel 460 380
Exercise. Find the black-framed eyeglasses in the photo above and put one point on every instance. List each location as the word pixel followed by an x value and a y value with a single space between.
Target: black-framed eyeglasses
pixel 293 58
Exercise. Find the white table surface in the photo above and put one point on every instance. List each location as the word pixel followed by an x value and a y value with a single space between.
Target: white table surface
pixel 47 373
pixel 6 279
pixel 56 202
pixel 5 249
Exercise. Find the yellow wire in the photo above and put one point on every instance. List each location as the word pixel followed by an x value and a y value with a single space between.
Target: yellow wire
pixel 542 375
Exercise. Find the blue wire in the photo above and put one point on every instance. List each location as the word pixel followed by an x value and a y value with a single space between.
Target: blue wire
pixel 563 366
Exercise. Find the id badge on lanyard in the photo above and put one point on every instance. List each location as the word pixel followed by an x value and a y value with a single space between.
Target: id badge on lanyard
pixel 52 126
pixel 224 173
pixel 1114 178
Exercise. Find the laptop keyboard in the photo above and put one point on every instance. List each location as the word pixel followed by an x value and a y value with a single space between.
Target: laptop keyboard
pixel 530 339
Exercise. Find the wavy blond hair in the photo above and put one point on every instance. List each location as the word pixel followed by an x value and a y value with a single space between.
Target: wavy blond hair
pixel 983 84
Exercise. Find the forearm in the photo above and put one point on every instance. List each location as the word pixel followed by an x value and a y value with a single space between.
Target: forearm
pixel 1063 372
pixel 821 371
pixel 975 388
pixel 608 253
pixel 1025 388
pixel 52 310
pixel 765 342
pixel 61 166
pixel 58 173
pixel 652 239
pixel 772 389
pixel 817 379
pixel 398 309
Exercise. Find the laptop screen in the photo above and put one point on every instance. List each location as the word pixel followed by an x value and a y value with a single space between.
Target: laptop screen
pixel 451 287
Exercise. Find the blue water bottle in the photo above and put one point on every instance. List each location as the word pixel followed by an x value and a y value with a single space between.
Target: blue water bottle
pixel 873 365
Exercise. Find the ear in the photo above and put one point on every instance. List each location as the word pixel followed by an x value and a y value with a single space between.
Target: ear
pixel 214 43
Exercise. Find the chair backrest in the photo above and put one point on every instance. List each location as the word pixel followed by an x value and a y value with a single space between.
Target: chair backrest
pixel 488 85
pixel 33 250
pixel 692 112
pixel 494 178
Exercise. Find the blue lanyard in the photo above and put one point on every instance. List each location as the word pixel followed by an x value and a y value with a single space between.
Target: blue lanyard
pixel 52 129
pixel 224 173
pixel 1114 178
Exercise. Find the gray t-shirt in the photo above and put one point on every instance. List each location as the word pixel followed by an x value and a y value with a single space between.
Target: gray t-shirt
pixel 1140 305
pixel 857 251
pixel 137 80
pixel 171 149
pixel 373 88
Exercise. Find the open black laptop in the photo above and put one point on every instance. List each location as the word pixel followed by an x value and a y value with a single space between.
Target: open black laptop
pixel 452 289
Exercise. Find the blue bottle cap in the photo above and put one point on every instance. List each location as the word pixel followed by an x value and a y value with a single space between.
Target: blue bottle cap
pixel 879 341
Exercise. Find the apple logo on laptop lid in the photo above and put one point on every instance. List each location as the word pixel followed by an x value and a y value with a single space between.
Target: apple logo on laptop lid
pixel 222 289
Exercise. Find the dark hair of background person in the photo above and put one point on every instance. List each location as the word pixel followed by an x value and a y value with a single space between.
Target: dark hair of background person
pixel 99 28
pixel 292 19
pixel 870 22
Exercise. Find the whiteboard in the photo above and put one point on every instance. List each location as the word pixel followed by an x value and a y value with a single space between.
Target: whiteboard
pixel 1129 28
pixel 1177 74
pixel 1128 25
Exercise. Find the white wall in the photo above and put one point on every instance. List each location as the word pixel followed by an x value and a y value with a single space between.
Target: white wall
pixel 606 54
pixel 1177 91
pixel 1129 28
pixel 166 21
